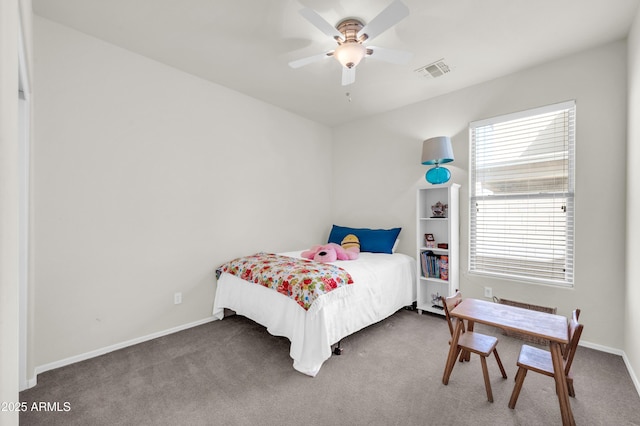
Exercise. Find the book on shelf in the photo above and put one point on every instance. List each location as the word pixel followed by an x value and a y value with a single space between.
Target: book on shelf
pixel 444 267
pixel 434 265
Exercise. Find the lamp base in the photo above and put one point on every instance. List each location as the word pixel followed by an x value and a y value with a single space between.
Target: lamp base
pixel 438 175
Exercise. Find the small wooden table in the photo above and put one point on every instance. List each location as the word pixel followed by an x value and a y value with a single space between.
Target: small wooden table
pixel 532 323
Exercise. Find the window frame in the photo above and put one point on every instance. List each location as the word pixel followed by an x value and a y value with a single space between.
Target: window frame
pixel 502 256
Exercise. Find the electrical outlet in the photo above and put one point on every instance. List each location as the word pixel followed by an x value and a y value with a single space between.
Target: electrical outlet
pixel 177 298
pixel 488 292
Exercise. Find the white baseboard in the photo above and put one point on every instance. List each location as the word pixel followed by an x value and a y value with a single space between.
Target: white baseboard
pixel 601 348
pixel 614 351
pixel 28 383
pixel 634 378
pixel 92 354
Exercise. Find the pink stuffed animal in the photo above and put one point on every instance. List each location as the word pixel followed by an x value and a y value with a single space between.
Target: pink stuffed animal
pixel 329 253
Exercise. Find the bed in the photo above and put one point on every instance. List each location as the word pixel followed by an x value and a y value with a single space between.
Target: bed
pixel 382 284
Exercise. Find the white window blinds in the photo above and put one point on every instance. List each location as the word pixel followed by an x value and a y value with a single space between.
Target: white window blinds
pixel 521 195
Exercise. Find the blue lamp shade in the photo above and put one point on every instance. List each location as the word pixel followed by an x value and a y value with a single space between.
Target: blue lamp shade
pixel 437 151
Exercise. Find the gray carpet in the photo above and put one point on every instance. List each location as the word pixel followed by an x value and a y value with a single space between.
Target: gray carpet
pixel 232 372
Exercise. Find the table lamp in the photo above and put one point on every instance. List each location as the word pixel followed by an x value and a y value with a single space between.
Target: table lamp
pixel 437 151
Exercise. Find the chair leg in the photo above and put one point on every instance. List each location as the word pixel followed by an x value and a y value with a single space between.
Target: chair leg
pixel 487 382
pixel 458 351
pixel 572 392
pixel 495 353
pixel 520 375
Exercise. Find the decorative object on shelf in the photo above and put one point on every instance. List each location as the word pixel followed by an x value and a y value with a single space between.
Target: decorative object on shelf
pixel 443 246
pixel 429 241
pixel 439 210
pixel 437 151
pixel 436 301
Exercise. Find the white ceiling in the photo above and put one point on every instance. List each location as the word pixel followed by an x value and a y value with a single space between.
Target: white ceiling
pixel 246 44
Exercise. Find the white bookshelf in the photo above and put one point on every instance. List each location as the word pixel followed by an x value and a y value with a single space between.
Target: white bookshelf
pixel 445 230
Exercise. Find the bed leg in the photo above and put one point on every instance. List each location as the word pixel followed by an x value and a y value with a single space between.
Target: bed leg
pixel 337 350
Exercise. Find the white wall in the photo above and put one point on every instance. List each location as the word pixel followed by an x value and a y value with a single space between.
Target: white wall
pixel 145 180
pixel 377 171
pixel 632 293
pixel 9 203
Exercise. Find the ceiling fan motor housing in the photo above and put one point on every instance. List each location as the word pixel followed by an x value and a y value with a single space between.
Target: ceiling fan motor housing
pixel 349 28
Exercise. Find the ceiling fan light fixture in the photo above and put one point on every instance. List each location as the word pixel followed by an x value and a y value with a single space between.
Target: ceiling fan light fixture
pixel 350 54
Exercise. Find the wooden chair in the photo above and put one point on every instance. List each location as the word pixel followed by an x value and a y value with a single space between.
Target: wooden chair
pixel 539 360
pixel 477 343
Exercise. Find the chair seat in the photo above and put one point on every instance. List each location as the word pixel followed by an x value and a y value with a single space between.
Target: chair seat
pixel 477 343
pixel 536 359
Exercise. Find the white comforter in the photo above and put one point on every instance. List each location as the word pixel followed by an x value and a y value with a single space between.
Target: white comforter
pixel 383 283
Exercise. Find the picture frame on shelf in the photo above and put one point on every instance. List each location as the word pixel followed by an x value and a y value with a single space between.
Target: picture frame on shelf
pixel 429 241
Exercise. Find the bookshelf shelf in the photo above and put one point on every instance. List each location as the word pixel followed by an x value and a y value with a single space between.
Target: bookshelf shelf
pixel 438 268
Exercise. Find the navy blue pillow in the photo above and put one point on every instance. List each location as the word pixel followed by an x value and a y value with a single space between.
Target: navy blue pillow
pixel 371 240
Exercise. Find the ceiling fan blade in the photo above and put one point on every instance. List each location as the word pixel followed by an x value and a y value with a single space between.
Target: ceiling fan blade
pixel 348 75
pixel 310 59
pixel 389 55
pixel 320 23
pixel 386 19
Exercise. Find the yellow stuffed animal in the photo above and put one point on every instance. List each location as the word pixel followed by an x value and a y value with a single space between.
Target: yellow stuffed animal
pixel 351 243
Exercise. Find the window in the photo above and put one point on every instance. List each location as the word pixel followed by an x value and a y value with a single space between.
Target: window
pixel 521 195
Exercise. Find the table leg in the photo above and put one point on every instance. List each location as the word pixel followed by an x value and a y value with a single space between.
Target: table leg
pixel 561 384
pixel 453 353
pixel 466 355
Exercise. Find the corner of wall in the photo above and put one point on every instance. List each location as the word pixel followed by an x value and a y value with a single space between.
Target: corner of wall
pixel 632 290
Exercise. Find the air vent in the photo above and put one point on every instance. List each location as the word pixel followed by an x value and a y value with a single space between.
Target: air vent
pixel 434 70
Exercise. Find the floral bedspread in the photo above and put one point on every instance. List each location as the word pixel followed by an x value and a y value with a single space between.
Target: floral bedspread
pixel 300 279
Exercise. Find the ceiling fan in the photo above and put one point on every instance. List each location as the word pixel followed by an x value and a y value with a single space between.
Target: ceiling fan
pixel 351 34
